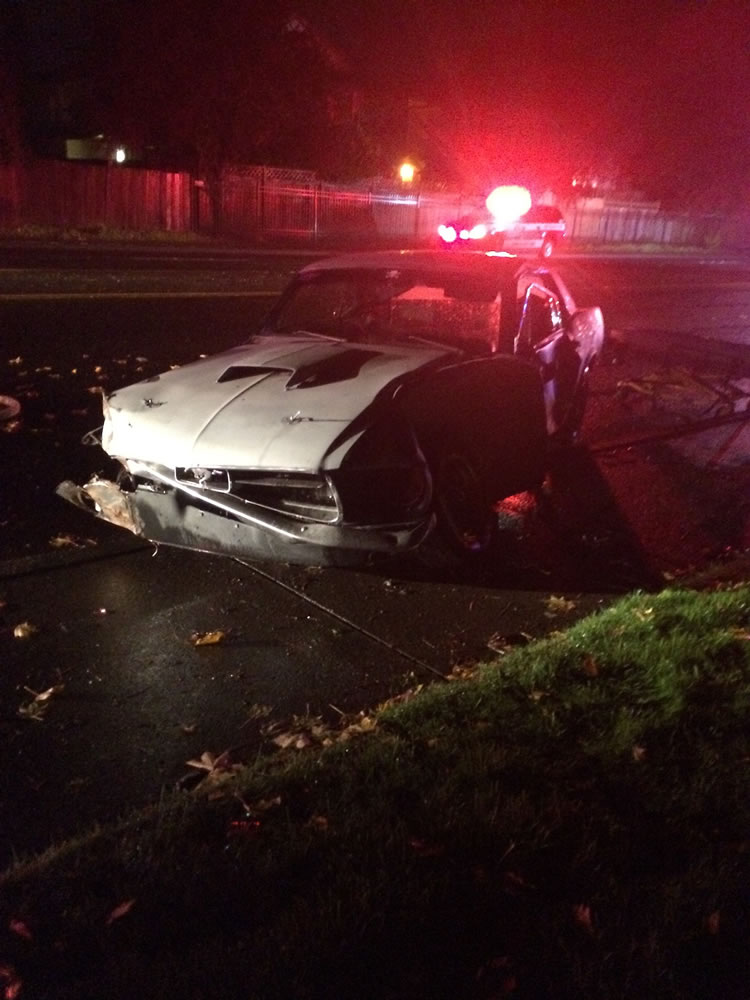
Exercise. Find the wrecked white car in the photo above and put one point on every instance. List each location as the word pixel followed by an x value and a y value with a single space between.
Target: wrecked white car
pixel 389 399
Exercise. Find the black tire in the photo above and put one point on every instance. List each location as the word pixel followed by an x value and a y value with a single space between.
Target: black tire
pixel 466 520
pixel 569 434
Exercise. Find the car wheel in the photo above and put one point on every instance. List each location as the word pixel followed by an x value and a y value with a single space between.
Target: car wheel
pixel 548 245
pixel 569 433
pixel 467 522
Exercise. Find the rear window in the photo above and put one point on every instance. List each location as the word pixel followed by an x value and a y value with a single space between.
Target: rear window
pixel 542 213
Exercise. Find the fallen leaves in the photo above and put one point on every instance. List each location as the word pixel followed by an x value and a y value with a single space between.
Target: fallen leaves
pixel 558 605
pixel 208 638
pixel 304 732
pixel 582 917
pixel 70 542
pixel 218 768
pixel 120 910
pixel 10 982
pixel 37 707
pixel 9 408
pixel 589 666
pixel 501 643
pixel 21 928
pixel 24 630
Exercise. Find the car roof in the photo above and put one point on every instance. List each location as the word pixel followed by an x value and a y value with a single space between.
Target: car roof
pixel 500 266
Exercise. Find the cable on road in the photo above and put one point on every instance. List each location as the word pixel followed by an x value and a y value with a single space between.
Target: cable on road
pixel 342 619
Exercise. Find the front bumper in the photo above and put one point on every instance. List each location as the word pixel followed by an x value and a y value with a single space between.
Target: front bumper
pixel 171 518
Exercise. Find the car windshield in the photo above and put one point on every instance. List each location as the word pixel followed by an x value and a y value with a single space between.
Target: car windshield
pixel 392 306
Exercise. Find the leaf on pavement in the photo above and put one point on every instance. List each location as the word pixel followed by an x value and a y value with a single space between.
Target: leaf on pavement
pixel 120 911
pixel 21 928
pixel 208 638
pixel 24 630
pixel 36 708
pixel 9 408
pixel 582 916
pixel 10 982
pixel 70 542
pixel 46 695
pixel 556 605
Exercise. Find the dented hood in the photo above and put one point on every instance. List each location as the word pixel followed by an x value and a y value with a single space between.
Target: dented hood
pixel 278 402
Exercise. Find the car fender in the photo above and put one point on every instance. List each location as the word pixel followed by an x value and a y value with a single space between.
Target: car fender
pixel 493 407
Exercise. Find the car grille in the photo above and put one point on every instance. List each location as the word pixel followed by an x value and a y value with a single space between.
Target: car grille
pixel 308 496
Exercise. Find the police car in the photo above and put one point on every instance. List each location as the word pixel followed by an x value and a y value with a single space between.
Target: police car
pixel 539 230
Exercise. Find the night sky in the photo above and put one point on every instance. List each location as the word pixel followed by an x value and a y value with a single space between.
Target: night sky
pixel 651 93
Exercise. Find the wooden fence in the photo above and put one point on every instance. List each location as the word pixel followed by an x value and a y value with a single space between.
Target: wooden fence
pixel 273 204
pixel 63 194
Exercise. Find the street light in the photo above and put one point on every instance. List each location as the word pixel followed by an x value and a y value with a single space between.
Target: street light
pixel 406 172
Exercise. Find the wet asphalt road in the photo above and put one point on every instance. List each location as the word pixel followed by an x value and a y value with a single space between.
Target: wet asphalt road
pixel 133 698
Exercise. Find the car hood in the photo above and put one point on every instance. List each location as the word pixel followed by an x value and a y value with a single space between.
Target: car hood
pixel 278 402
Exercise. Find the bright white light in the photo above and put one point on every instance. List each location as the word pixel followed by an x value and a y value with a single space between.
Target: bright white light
pixel 507 203
pixel 406 172
pixel 119 155
pixel 447 233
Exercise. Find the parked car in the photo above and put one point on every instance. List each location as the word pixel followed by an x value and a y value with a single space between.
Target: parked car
pixel 387 402
pixel 540 230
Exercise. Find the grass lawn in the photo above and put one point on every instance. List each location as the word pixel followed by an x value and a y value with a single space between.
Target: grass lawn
pixel 569 820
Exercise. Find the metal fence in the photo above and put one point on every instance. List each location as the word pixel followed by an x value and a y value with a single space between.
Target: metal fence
pixel 638 223
pixel 265 203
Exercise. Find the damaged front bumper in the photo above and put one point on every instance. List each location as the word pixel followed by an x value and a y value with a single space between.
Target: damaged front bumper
pixel 182 518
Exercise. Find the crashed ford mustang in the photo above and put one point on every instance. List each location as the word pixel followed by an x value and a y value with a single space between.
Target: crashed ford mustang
pixel 388 402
